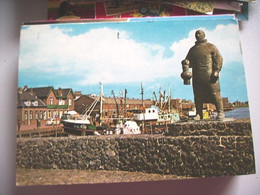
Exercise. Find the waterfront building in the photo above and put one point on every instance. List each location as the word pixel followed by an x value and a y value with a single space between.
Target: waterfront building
pixel 39 106
pixel 111 107
pixel 30 109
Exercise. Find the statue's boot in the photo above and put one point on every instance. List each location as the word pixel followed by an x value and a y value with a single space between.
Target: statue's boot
pixel 220 115
pixel 197 117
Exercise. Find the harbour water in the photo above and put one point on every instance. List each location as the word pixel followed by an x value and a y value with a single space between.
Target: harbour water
pixel 238 113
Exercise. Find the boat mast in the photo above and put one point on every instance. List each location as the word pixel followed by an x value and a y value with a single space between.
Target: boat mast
pixel 142 93
pixel 161 98
pixel 155 98
pixel 169 99
pixel 125 104
pixel 117 107
pixel 101 99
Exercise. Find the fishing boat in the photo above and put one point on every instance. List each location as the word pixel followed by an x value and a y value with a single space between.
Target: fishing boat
pixel 149 114
pixel 168 117
pixel 161 113
pixel 166 113
pixel 131 127
pixel 82 124
pixel 79 127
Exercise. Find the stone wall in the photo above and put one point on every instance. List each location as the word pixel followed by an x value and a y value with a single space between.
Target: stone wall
pixel 189 149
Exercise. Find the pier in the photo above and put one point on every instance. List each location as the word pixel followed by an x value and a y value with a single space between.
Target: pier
pixel 52 131
pixel 201 149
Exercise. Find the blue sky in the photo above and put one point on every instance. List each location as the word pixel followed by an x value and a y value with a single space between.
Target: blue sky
pixel 123 55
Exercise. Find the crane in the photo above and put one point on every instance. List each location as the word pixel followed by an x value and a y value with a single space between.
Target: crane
pixel 117 107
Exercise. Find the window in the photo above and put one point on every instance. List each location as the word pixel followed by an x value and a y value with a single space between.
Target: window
pixel 51 101
pixel 40 114
pixel 31 115
pixel 60 114
pixel 55 114
pixel 27 103
pixel 35 103
pixel 49 114
pixel 70 102
pixel 36 114
pixel 25 115
pixel 44 115
pixel 61 102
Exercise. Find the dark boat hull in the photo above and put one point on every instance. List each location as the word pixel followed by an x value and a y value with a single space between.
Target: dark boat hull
pixel 79 129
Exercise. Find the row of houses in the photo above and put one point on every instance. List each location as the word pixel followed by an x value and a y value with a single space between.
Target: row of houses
pixel 35 106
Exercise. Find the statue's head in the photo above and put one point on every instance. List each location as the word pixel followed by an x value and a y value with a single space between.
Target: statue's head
pixel 200 35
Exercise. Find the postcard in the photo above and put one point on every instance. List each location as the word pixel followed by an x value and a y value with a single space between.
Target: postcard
pixel 200 6
pixel 140 99
pixel 73 9
pixel 94 9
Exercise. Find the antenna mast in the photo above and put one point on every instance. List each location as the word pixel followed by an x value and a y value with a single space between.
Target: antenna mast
pixel 117 107
pixel 142 93
pixel 125 102
pixel 169 99
pixel 101 99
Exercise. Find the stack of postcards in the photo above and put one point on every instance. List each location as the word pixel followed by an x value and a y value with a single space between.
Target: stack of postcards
pixel 110 92
pixel 95 9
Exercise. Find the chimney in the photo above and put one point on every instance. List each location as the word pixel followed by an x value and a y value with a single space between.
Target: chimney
pixel 25 88
pixel 20 90
pixel 78 93
pixel 60 92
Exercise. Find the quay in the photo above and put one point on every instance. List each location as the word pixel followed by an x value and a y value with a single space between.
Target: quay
pixel 47 131
pixel 199 149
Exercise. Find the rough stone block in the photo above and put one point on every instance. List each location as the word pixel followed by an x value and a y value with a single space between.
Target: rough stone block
pixel 188 150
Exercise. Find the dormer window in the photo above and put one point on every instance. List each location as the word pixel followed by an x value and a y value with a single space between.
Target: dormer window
pixel 61 102
pixel 35 103
pixel 51 101
pixel 27 103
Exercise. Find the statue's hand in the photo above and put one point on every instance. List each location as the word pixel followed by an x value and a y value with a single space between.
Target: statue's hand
pixel 214 77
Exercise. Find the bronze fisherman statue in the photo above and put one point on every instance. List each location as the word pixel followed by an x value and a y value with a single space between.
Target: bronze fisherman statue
pixel 206 63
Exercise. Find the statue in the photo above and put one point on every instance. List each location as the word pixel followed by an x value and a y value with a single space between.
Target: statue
pixel 206 63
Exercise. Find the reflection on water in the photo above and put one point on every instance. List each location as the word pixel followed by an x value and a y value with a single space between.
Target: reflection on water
pixel 238 113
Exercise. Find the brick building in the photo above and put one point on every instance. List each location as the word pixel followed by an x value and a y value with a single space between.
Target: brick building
pixel 36 105
pixel 111 106
pixel 29 108
pixel 57 101
pixel 226 104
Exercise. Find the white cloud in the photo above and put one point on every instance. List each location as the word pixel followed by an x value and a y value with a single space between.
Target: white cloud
pixel 98 55
pixel 225 38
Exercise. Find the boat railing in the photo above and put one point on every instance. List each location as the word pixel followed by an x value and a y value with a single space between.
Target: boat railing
pixel 89 110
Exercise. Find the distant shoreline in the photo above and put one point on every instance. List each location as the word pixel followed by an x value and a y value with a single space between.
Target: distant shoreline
pixel 241 106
